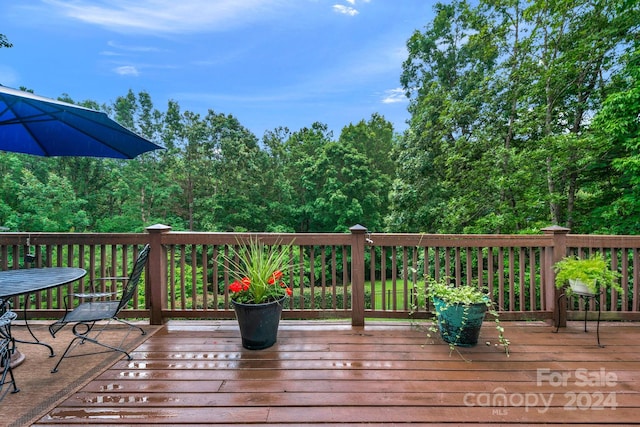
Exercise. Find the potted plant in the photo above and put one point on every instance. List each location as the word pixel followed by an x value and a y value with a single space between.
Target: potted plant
pixel 258 292
pixel 460 311
pixel 586 276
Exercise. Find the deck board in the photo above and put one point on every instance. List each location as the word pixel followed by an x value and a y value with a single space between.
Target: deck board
pixel 329 373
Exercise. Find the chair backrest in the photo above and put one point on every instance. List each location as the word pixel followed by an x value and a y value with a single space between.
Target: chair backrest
pixel 6 341
pixel 5 324
pixel 131 287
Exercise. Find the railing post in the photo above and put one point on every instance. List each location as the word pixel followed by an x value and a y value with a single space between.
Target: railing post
pixel 552 293
pixel 157 273
pixel 357 274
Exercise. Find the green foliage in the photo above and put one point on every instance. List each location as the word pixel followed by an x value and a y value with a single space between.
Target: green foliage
pixel 319 301
pixel 4 42
pixel 258 270
pixel 613 203
pixel 593 272
pixel 460 295
pixel 451 294
pixel 46 205
pixel 501 96
pixel 126 196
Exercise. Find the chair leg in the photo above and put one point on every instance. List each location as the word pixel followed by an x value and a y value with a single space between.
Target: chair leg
pixel 7 371
pixel 131 325
pixel 83 336
pixel 54 328
pixel 7 348
pixel 82 340
pixel 55 368
pixel 12 382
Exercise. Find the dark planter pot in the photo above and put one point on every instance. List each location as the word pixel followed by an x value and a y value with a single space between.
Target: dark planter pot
pixel 450 322
pixel 258 323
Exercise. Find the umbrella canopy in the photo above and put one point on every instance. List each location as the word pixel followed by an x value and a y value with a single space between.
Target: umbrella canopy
pixel 41 126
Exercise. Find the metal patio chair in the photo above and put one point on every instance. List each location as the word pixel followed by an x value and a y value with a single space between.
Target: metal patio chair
pixel 86 316
pixel 7 347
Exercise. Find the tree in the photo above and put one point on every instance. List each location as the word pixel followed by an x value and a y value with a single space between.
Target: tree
pixel 374 139
pixel 347 190
pixel 302 149
pixel 447 77
pixel 499 93
pixel 280 194
pixel 617 134
pixel 48 205
pixel 372 170
pixel 575 44
pixel 4 42
pixel 219 167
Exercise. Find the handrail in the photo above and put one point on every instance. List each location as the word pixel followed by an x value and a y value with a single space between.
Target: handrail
pixel 354 275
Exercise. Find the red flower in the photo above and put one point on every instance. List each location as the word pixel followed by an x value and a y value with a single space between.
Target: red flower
pixel 277 275
pixel 235 287
pixel 240 285
pixel 289 292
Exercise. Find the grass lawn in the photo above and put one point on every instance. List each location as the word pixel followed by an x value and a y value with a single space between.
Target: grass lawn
pixel 386 292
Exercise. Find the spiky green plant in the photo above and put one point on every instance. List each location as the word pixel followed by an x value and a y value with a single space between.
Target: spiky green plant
pixel 258 270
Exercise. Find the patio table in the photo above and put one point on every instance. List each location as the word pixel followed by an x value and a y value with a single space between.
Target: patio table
pixel 27 281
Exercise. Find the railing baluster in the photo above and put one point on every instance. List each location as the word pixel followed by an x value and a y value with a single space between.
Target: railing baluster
pixel 519 265
pixel 346 301
pixel 205 274
pixel 391 295
pixel 334 277
pixel 171 282
pixel 511 276
pixel 636 281
pixel 312 280
pixel 372 276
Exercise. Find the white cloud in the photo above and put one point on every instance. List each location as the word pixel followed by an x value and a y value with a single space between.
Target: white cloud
pixel 127 70
pixel 167 16
pixel 345 10
pixel 111 53
pixel 128 50
pixel 393 96
pixel 133 48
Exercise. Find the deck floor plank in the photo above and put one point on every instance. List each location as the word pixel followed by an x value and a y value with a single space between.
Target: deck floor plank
pixel 324 374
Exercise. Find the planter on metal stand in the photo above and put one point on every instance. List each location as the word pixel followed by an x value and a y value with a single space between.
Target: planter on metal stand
pixel 588 279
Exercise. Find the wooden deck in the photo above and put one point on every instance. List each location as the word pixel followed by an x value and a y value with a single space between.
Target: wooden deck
pixel 329 373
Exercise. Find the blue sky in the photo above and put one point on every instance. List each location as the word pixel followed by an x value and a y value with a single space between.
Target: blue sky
pixel 267 62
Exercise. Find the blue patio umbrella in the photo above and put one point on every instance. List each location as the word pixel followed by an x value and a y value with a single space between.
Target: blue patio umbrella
pixel 41 126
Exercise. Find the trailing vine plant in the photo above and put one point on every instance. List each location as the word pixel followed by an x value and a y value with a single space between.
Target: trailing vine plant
pixel 452 295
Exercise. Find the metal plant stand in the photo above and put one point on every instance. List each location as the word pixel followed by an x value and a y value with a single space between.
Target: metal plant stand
pixel 586 297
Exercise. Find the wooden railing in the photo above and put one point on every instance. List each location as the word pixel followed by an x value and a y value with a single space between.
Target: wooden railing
pixel 356 275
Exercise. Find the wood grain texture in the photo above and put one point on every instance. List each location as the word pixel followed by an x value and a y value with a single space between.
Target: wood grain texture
pixel 330 373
